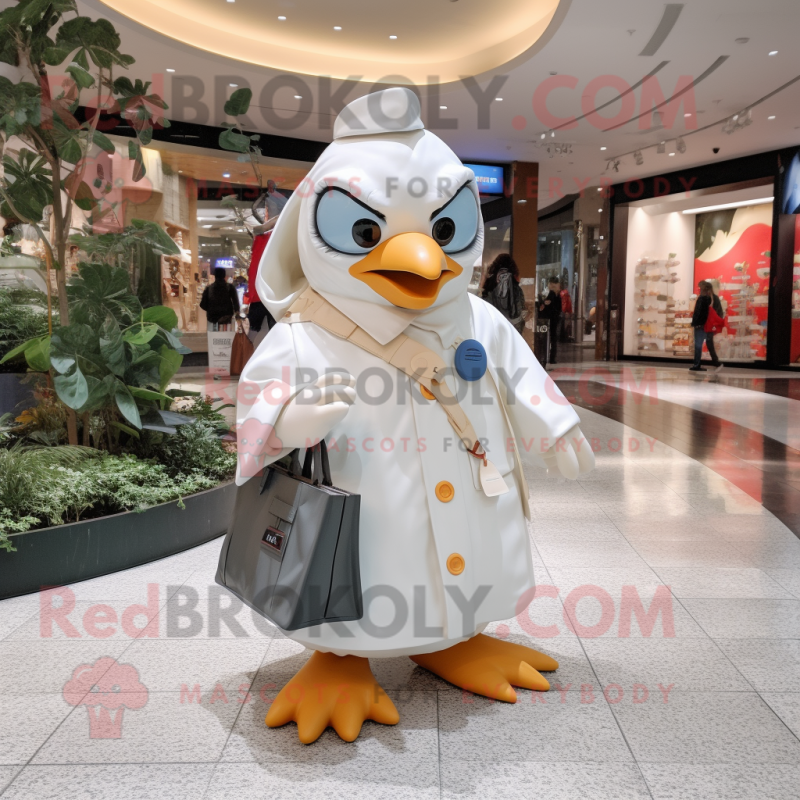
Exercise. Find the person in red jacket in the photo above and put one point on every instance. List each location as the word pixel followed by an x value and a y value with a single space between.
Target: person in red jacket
pixel 566 314
pixel 257 312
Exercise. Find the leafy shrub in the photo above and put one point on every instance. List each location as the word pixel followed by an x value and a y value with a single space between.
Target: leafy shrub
pixel 41 486
pixel 18 323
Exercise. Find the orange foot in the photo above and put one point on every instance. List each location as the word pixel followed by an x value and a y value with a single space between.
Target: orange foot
pixel 487 666
pixel 339 691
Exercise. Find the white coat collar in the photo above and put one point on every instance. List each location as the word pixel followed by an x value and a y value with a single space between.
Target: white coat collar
pixel 450 321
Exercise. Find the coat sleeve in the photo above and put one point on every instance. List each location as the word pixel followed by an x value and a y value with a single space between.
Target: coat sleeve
pixel 538 411
pixel 266 385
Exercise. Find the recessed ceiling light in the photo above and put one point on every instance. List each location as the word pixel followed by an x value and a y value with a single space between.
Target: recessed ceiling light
pixel 443 108
pixel 392 37
pixel 773 52
pixel 180 172
pixel 772 117
pixel 599 188
pixel 672 154
pixel 600 210
pixel 604 148
pixel 298 97
pixel 234 85
pixel 170 70
pixel 687 114
pixel 522 202
pixel 337 27
pixel 207 226
pixel 493 229
pixel 282 19
pixel 499 99
pixel 226 174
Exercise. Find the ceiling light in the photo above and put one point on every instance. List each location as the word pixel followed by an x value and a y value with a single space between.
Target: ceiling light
pixel 208 226
pixel 180 172
pixel 499 99
pixel 443 108
pixel 298 97
pixel 773 52
pixel 552 134
pixel 772 117
pixel 170 70
pixel 337 27
pixel 226 174
pixel 600 210
pixel 392 37
pixel 672 154
pixel 604 148
pixel 282 19
pixel 599 188
pixel 493 229
pixel 543 135
pixel 680 145
pixel 725 206
pixel 522 202
pixel 234 85
pixel 687 114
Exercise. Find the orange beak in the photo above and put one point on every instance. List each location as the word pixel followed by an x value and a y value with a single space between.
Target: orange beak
pixel 409 270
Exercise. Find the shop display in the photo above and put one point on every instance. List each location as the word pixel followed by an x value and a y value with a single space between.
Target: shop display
pixel 366 301
pixel 655 305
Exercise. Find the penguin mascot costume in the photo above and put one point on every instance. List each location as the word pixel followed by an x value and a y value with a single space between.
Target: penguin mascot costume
pixel 424 395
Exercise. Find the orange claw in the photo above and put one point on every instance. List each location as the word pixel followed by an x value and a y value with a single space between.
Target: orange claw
pixel 489 667
pixel 336 691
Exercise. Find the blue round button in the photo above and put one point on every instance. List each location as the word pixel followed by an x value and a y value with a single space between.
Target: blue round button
pixel 471 360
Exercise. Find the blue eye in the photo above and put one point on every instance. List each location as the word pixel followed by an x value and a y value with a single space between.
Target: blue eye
pixel 345 224
pixel 455 227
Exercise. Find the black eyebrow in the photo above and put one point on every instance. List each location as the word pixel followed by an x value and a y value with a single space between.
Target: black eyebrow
pixel 354 199
pixel 456 194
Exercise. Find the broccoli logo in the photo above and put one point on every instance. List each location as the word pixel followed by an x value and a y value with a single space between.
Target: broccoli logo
pixel 106 688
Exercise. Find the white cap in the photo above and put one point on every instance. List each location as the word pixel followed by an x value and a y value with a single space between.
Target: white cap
pixel 393 110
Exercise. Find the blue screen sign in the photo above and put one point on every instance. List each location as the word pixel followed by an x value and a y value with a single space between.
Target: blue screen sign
pixel 225 262
pixel 489 179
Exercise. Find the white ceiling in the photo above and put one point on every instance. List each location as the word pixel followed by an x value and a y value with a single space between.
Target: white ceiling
pixel 594 38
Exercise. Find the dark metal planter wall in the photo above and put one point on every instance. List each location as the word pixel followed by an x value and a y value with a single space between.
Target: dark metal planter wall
pixel 69 553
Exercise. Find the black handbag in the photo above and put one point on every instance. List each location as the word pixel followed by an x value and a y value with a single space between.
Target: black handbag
pixel 291 552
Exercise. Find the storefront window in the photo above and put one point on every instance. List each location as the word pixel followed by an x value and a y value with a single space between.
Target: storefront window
pixel 675 242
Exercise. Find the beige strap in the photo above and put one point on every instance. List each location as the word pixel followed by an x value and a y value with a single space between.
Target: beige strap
pixel 410 357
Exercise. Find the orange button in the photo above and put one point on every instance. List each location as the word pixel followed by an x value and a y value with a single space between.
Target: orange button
pixel 455 564
pixel 426 392
pixel 445 491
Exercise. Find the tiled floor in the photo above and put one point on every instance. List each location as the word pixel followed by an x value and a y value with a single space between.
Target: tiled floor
pixel 676 624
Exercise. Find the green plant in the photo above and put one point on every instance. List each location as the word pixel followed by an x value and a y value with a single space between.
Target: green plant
pixel 114 359
pixel 233 137
pixel 19 322
pixel 115 249
pixel 41 486
pixel 35 35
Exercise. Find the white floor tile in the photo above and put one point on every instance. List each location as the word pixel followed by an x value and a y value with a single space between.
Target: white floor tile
pixel 770 665
pixel 553 780
pixel 396 778
pixel 154 727
pixel 722 781
pixel 707 728
pixel 747 619
pixel 688 664
pixel 26 722
pixel 111 781
pixel 721 582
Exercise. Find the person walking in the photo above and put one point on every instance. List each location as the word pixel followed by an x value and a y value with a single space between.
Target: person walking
pixel 502 290
pixel 550 309
pixel 220 300
pixel 716 304
pixel 705 301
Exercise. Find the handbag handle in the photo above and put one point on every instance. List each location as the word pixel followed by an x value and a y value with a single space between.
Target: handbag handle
pixel 321 465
